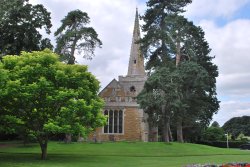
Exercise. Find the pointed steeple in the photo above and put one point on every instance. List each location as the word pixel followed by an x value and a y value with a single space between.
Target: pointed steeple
pixel 136 60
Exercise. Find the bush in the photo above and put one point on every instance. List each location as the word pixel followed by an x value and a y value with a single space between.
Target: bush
pixel 223 144
pixel 213 134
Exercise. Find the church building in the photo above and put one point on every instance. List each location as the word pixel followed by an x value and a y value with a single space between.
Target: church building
pixel 125 120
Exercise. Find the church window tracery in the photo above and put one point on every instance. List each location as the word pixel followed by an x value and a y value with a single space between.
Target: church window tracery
pixel 114 121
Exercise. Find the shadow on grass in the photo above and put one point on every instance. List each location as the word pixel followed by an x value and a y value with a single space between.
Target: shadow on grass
pixel 17 144
pixel 33 159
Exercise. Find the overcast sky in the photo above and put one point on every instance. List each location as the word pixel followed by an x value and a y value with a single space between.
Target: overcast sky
pixel 226 24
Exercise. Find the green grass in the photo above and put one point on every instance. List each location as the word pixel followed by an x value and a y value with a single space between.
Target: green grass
pixel 119 154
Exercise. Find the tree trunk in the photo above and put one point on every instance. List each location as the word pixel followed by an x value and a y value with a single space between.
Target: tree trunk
pixel 68 138
pixel 165 132
pixel 43 144
pixel 71 60
pixel 166 122
pixel 170 134
pixel 178 53
pixel 153 133
pixel 72 52
pixel 152 128
pixel 44 151
pixel 179 131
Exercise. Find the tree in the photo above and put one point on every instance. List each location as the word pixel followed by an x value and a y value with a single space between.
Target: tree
pixel 154 102
pixel 174 42
pixel 157 43
pixel 190 104
pixel 237 125
pixel 73 35
pixel 215 124
pixel 48 97
pixel 19 27
pixel 213 134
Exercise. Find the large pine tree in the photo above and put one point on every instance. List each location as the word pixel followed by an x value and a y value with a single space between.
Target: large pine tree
pixel 179 67
pixel 73 35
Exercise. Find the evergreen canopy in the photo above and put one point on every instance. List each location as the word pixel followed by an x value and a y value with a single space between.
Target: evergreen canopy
pixel 179 66
pixel 73 35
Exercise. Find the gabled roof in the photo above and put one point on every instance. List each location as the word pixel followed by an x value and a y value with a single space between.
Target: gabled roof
pixel 113 84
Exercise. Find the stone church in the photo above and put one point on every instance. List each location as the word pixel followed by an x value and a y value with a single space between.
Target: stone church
pixel 125 120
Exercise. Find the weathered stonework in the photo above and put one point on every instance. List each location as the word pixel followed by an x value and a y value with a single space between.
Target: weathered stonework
pixel 120 96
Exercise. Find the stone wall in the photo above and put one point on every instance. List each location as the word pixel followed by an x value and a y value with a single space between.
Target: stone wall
pixel 132 128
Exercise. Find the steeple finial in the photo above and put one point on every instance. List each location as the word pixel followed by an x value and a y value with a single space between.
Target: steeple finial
pixel 136 60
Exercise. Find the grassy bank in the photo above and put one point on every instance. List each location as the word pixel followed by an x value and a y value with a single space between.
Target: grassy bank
pixel 117 154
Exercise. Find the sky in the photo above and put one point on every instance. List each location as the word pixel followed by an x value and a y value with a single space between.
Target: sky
pixel 227 29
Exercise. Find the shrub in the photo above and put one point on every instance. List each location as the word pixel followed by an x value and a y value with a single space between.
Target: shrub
pixel 223 144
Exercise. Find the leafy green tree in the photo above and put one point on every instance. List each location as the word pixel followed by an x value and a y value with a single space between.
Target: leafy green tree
pixel 215 124
pixel 238 125
pixel 174 42
pixel 47 97
pixel 213 134
pixel 73 35
pixel 19 27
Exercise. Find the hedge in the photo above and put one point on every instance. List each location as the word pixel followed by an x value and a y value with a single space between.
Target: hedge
pixel 223 144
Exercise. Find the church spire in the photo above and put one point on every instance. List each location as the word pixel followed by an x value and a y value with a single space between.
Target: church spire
pixel 136 60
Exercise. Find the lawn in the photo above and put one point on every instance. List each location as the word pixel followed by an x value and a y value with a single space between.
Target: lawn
pixel 119 154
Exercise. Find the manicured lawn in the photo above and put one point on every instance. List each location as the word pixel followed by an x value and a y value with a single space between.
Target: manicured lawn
pixel 119 154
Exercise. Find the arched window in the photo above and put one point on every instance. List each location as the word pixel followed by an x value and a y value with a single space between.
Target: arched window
pixel 114 121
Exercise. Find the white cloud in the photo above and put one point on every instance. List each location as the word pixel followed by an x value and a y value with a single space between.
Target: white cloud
pixel 231 109
pixel 113 21
pixel 214 8
pixel 230 44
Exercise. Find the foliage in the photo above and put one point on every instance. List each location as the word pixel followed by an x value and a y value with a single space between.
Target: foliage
pixel 215 124
pixel 223 144
pixel 192 131
pixel 122 154
pixel 20 23
pixel 242 137
pixel 213 134
pixel 73 35
pixel 189 76
pixel 48 97
pixel 158 44
pixel 238 125
pixel 178 47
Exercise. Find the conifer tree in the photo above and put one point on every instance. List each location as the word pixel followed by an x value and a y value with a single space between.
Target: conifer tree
pixel 73 35
pixel 176 49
